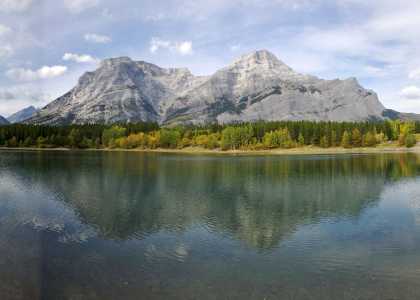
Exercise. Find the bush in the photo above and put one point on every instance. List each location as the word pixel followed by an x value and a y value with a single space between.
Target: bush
pixel 170 139
pixel 401 140
pixel 410 140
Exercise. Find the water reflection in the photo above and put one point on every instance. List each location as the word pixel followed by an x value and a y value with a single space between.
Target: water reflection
pixel 258 201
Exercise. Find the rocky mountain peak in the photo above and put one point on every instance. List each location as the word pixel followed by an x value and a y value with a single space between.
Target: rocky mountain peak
pixel 261 61
pixel 110 62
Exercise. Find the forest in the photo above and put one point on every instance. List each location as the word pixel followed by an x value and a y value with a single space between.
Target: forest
pixel 252 136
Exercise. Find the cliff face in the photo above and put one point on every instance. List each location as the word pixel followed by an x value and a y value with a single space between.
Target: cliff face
pixel 254 87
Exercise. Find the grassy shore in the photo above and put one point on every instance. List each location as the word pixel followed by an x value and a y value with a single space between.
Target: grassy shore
pixel 305 150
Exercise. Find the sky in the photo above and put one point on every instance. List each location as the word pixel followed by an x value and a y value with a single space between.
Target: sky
pixel 46 45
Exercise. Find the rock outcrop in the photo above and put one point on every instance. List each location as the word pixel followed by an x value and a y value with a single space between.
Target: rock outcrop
pixel 254 87
pixel 22 114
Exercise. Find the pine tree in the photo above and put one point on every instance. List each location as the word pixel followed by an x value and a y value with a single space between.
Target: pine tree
pixel 301 140
pixel 333 139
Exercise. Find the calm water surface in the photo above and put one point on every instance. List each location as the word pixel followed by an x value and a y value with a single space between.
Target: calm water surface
pixel 125 225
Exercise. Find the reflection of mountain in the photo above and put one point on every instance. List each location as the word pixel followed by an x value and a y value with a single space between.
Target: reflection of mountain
pixel 258 200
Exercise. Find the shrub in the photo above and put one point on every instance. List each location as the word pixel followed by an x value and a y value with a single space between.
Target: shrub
pixel 410 140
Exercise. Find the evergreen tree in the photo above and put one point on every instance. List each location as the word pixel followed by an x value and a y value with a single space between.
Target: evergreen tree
pixel 301 140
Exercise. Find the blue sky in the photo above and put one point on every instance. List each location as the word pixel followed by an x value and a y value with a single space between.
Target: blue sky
pixel 46 45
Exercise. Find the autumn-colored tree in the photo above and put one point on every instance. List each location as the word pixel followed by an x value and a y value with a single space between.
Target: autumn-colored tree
pixel 408 128
pixel 357 138
pixel 13 142
pixel 369 140
pixel 346 140
pixel 401 141
pixel 323 143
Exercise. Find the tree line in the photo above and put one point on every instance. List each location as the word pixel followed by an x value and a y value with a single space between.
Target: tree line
pixel 244 135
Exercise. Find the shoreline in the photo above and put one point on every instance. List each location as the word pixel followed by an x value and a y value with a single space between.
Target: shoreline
pixel 307 150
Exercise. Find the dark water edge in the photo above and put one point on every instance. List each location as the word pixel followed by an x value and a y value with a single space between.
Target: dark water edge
pixel 130 225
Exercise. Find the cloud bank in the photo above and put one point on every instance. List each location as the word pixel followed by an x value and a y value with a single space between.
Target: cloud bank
pixel 19 74
pixel 15 6
pixel 184 48
pixel 94 38
pixel 414 74
pixel 85 58
pixel 411 92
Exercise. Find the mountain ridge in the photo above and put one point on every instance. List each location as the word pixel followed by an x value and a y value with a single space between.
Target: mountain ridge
pixel 256 86
pixel 3 121
pixel 22 114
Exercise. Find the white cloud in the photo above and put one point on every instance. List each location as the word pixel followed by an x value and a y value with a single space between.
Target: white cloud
pixel 85 58
pixel 5 31
pixel 414 74
pixel 15 6
pixel 94 38
pixel 411 92
pixel 156 43
pixel 19 74
pixel 106 14
pixel 234 47
pixel 6 95
pixel 184 48
pixel 77 6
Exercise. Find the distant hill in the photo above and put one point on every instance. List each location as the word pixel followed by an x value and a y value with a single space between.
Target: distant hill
pixel 4 121
pixel 22 114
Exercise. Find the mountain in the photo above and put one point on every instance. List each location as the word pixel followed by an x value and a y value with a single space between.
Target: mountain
pixel 405 117
pixel 4 121
pixel 254 87
pixel 22 114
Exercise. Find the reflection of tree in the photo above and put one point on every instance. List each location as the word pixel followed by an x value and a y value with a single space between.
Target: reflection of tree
pixel 259 200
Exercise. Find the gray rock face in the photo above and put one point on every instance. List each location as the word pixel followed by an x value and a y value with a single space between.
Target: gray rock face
pixel 22 114
pixel 254 87
pixel 3 121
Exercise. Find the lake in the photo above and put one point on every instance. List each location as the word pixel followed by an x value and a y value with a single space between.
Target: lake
pixel 147 225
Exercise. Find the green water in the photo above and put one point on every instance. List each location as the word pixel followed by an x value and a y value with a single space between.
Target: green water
pixel 126 225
